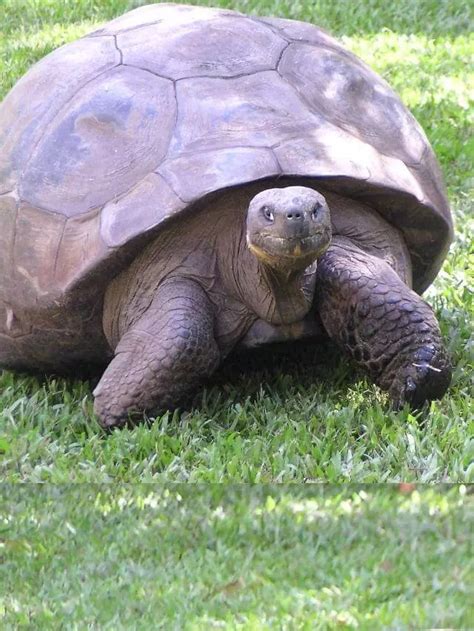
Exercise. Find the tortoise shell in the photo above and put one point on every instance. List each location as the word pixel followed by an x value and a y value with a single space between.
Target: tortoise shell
pixel 111 136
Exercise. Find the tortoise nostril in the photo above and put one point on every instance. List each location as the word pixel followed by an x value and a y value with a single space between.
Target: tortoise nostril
pixel 294 214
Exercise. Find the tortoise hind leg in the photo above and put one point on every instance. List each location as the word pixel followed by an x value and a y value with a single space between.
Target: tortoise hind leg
pixel 162 358
pixel 384 325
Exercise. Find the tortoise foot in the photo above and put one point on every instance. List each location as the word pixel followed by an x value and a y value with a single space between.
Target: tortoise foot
pixel 424 376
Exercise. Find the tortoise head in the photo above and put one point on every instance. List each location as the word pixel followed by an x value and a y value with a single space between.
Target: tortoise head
pixel 288 228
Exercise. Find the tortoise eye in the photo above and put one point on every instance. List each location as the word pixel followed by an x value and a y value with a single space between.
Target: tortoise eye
pixel 267 213
pixel 315 211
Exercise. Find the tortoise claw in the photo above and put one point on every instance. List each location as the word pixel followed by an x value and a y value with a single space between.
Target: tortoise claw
pixel 420 381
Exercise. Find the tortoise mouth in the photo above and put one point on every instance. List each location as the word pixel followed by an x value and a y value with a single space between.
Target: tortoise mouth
pixel 290 252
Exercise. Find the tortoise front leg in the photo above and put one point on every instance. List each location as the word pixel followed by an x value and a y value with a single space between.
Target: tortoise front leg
pixel 384 325
pixel 162 358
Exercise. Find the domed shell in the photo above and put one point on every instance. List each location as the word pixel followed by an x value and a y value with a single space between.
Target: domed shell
pixel 108 137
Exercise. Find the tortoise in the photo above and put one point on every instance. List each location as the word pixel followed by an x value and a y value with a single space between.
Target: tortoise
pixel 185 181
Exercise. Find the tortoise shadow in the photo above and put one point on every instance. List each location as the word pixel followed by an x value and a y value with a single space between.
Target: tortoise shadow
pixel 279 366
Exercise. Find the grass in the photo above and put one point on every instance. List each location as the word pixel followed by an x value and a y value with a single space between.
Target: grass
pixel 235 557
pixel 275 416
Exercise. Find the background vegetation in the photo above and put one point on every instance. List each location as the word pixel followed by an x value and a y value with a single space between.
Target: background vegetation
pixel 274 416
pixel 199 557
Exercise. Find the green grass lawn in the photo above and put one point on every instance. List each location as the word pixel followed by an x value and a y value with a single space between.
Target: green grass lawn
pixel 199 557
pixel 276 416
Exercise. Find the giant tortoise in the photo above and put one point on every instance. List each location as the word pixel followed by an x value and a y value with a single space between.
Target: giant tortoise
pixel 187 180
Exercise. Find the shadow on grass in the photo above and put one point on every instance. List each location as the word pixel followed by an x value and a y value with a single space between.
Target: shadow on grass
pixel 305 362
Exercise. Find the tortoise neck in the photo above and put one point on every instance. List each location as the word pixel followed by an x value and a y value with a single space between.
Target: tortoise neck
pixel 288 300
pixel 278 297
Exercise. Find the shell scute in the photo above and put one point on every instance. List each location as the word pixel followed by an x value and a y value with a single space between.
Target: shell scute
pixel 28 109
pixel 231 47
pixel 217 169
pixel 80 248
pixel 162 13
pixel 144 208
pixel 353 97
pixel 34 267
pixel 114 132
pixel 8 213
pixel 257 110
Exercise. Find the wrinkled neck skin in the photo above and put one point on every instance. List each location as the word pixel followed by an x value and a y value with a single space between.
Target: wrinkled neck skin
pixel 291 294
pixel 278 297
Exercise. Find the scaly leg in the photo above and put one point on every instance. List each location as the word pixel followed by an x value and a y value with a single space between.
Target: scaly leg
pixel 162 358
pixel 384 325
